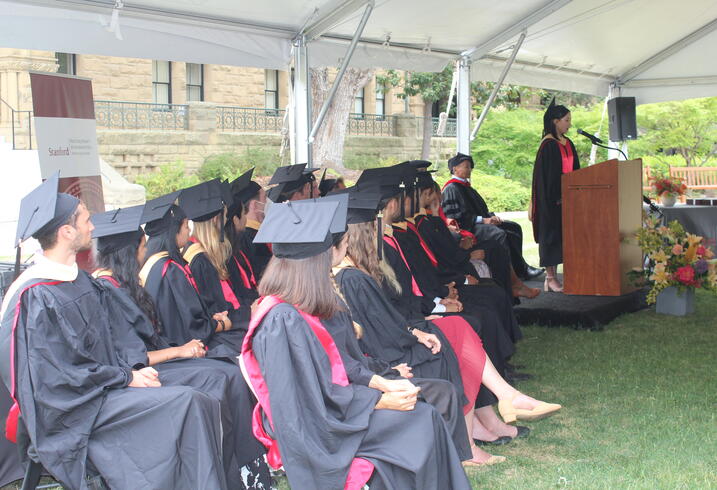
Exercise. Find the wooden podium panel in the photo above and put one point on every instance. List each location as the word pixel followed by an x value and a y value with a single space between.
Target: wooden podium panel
pixel 601 205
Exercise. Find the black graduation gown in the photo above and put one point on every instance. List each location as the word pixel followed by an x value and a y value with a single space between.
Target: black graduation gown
pixel 133 335
pixel 485 307
pixel 76 405
pixel 259 254
pixel 386 334
pixel 339 423
pixel 183 314
pixel 210 290
pixel 10 467
pixel 547 200
pixel 360 368
pixel 245 293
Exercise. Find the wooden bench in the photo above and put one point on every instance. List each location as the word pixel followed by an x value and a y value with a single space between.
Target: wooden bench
pixel 696 177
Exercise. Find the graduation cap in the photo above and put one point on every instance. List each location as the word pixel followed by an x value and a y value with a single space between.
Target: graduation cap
pixel 326 185
pixel 343 201
pixel 42 211
pixel 419 164
pixel 301 229
pixel 160 212
pixel 363 207
pixel 118 228
pixel 288 179
pixel 458 159
pixel 204 201
pixel 243 188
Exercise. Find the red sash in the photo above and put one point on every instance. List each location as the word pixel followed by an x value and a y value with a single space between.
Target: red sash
pixel 566 154
pixel 14 412
pixel 424 245
pixel 361 469
pixel 394 245
pixel 246 279
pixel 228 293
pixel 452 222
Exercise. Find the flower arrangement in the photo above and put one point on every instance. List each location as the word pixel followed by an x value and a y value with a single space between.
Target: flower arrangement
pixel 676 258
pixel 666 185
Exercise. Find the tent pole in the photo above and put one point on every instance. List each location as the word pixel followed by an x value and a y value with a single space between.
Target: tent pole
pixel 301 103
pixel 498 84
pixel 463 106
pixel 342 70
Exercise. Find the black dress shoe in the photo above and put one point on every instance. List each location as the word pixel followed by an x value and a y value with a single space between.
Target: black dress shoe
pixel 532 273
pixel 498 442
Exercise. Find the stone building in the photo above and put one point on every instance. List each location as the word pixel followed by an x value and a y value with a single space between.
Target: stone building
pixel 151 112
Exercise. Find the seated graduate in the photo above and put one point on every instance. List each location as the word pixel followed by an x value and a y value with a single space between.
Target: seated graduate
pixel 490 310
pixel 502 240
pixel 208 251
pixel 385 332
pixel 293 183
pixel 258 254
pixel 137 334
pixel 58 360
pixel 463 203
pixel 330 433
pixel 169 281
pixel 241 271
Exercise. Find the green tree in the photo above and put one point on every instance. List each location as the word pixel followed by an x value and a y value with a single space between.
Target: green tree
pixel 430 86
pixel 685 129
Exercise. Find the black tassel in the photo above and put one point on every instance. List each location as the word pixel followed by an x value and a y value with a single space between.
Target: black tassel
pixel 379 237
pixel 403 203
pixel 17 262
pixel 221 227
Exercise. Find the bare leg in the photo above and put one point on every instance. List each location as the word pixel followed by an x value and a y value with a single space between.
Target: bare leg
pixel 503 391
pixel 479 456
pixel 551 279
pixel 487 417
pixel 519 287
pixel 480 430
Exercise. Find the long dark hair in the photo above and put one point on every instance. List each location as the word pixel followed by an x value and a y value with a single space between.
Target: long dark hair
pixel 304 283
pixel 166 240
pixel 230 232
pixel 125 269
pixel 553 112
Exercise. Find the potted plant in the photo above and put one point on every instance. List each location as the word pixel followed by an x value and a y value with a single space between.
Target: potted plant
pixel 668 189
pixel 677 263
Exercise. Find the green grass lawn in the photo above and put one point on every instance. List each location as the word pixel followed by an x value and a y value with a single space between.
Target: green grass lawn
pixel 640 405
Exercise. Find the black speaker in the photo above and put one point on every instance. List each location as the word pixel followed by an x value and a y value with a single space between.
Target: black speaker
pixel 621 112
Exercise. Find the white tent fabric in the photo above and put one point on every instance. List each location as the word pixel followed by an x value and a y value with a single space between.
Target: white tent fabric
pixel 578 45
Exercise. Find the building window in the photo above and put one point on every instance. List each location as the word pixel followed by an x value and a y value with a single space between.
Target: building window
pixel 66 63
pixel 380 100
pixel 271 90
pixel 195 82
pixel 358 104
pixel 161 82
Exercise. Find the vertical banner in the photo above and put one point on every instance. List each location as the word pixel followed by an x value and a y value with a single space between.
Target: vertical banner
pixel 66 134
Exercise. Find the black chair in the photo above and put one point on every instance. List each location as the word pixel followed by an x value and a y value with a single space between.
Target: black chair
pixel 32 476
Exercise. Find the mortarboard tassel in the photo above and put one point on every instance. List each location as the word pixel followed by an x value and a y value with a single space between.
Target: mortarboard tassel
pixel 17 263
pixel 379 236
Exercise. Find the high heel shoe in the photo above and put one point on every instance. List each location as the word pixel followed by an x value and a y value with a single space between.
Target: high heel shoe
pixel 548 287
pixel 510 413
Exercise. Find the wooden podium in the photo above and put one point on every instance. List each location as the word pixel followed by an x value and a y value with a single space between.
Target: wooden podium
pixel 602 204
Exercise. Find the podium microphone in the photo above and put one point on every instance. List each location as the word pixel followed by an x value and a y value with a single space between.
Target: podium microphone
pixel 598 142
pixel 591 137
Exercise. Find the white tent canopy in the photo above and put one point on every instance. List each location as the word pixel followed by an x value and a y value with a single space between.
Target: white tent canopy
pixel 579 45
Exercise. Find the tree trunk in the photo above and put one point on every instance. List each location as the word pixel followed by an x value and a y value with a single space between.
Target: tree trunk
pixel 328 147
pixel 427 129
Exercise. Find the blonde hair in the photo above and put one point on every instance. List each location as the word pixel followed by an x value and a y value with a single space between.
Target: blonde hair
pixel 362 251
pixel 207 234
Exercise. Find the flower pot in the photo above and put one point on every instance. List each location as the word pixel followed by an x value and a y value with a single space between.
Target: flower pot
pixel 668 200
pixel 671 301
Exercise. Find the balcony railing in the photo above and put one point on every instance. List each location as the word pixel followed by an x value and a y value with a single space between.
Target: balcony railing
pixel 141 115
pixel 450 130
pixel 249 119
pixel 371 125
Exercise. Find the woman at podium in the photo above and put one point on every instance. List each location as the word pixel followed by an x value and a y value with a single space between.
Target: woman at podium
pixel 556 156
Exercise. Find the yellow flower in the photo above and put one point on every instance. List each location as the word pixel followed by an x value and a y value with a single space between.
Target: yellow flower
pixel 693 239
pixel 659 256
pixel 660 275
pixel 691 252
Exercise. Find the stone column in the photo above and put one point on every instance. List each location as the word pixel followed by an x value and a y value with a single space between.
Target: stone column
pixel 407 125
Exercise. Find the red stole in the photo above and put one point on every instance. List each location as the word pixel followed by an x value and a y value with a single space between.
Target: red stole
pixel 424 245
pixel 361 469
pixel 247 279
pixel 394 245
pixel 566 154
pixel 13 414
